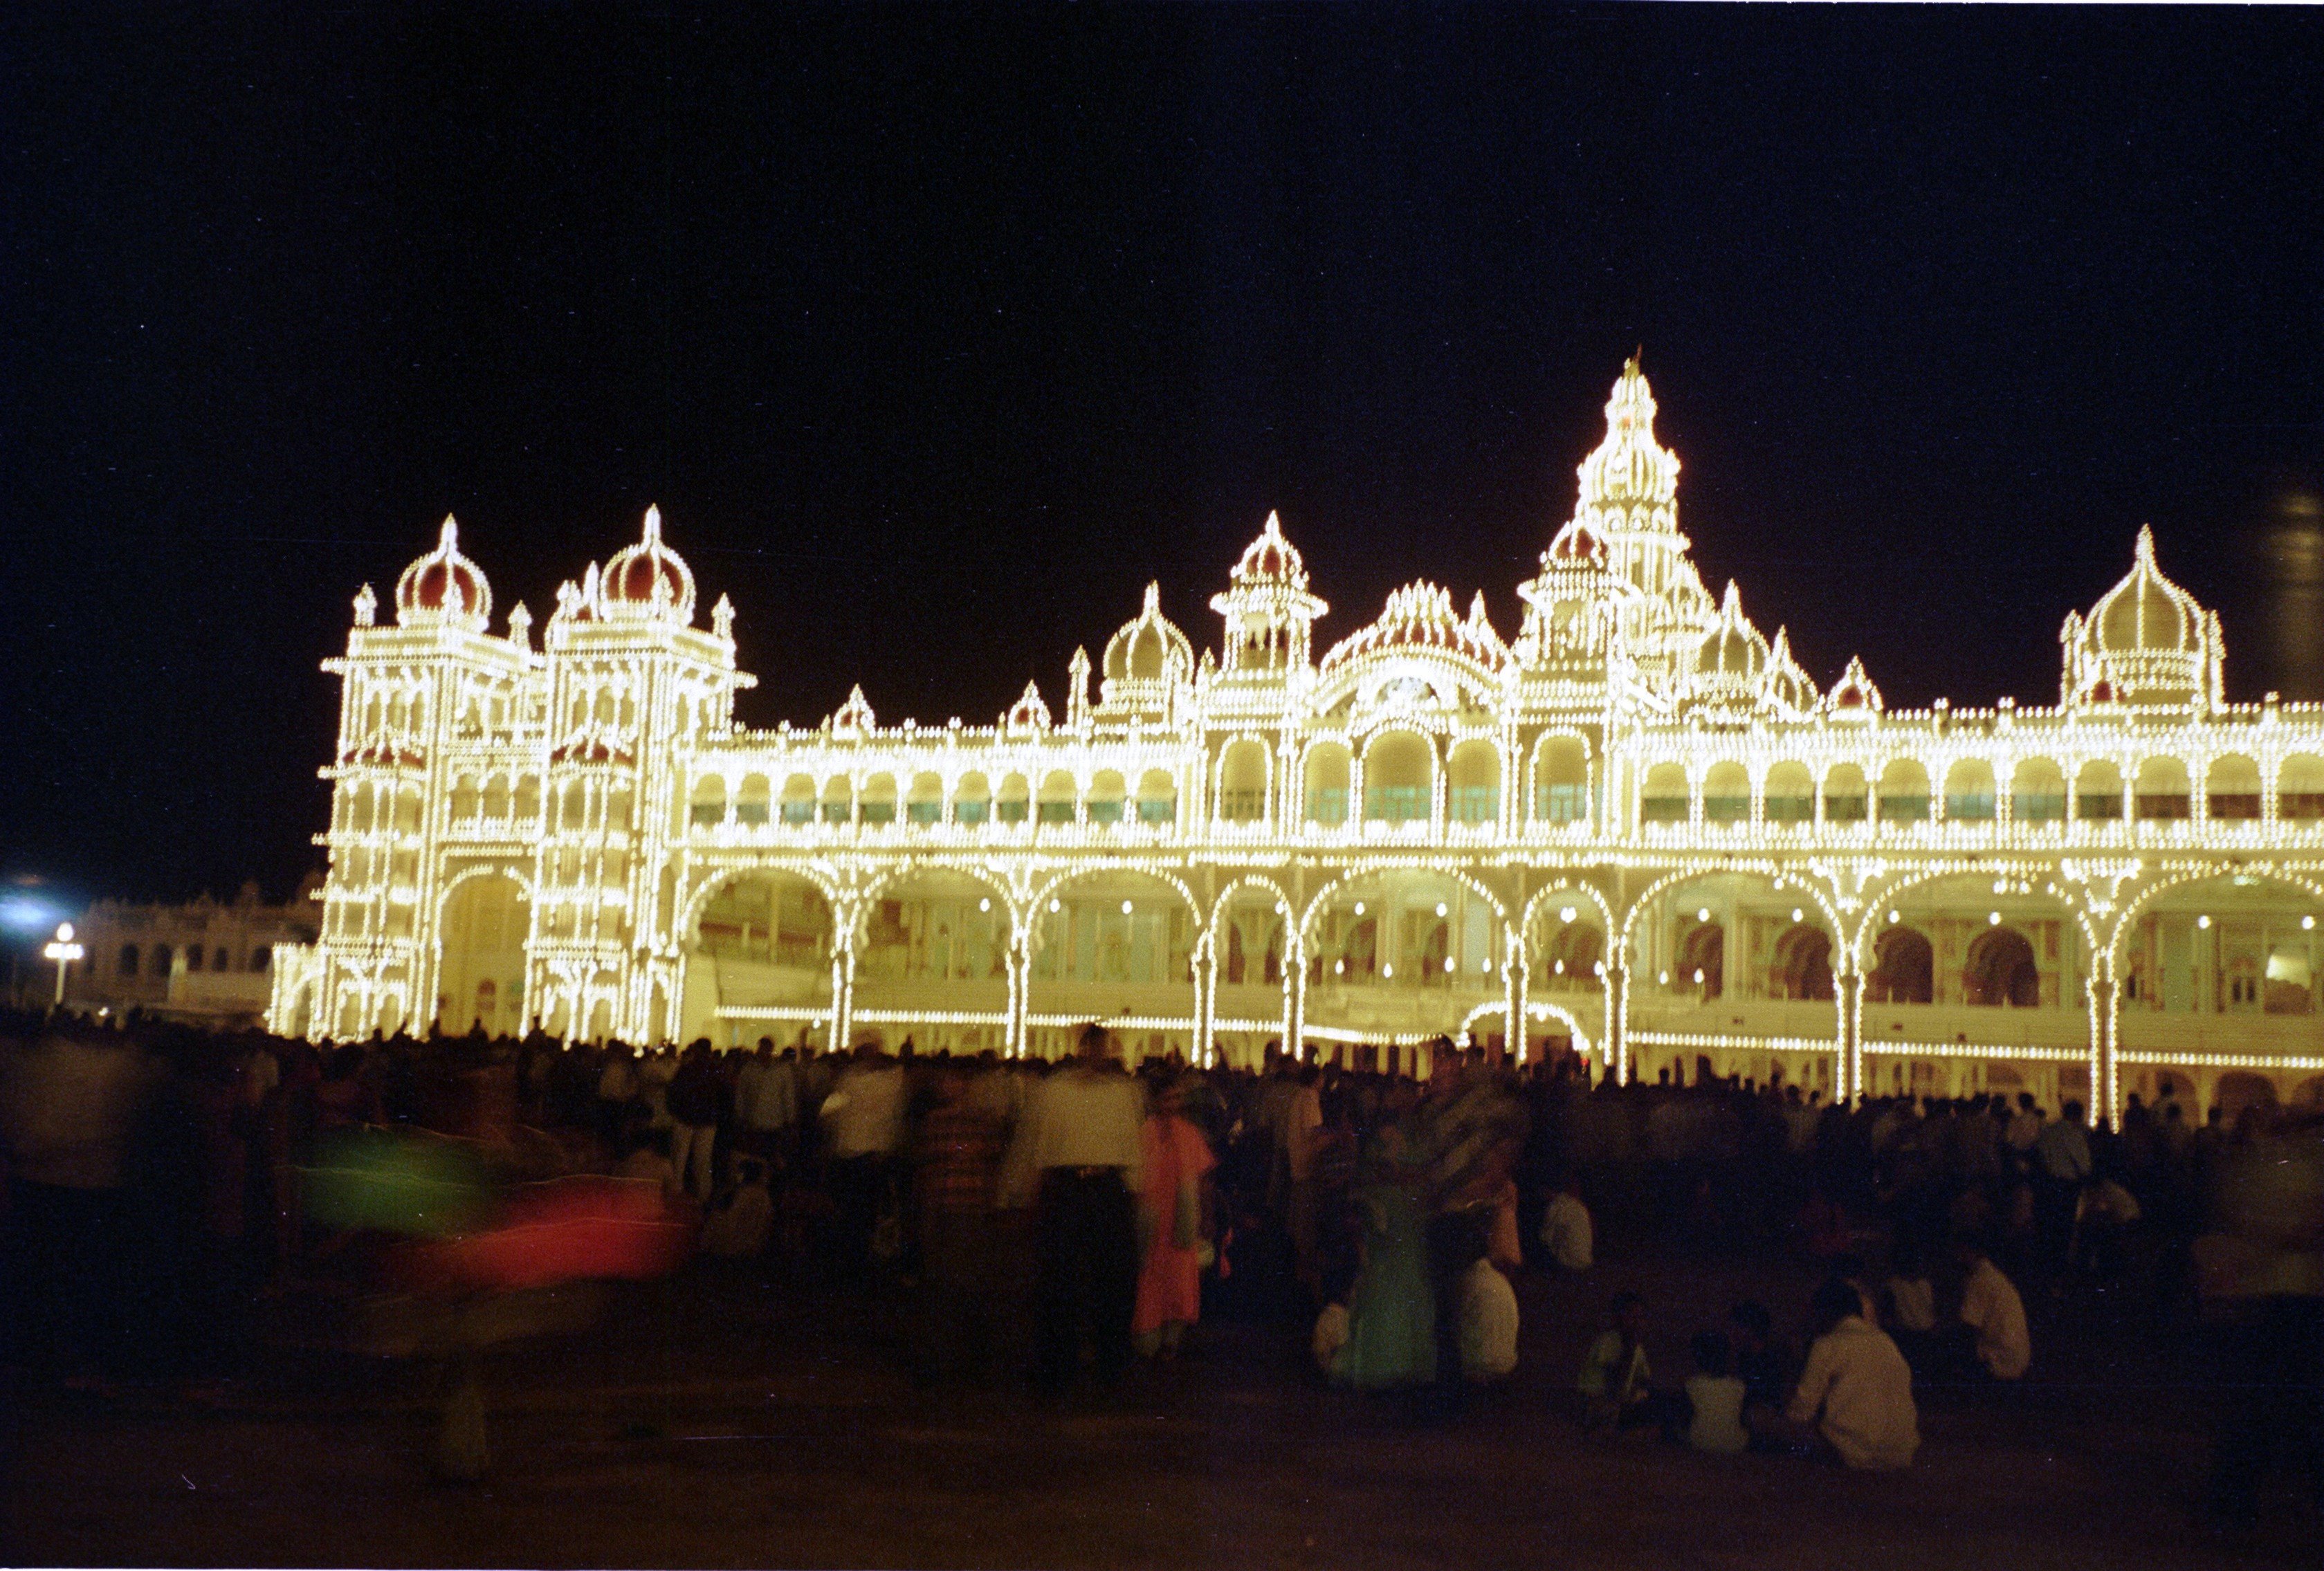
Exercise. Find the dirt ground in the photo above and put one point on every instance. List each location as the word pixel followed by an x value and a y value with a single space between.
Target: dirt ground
pixel 724 1420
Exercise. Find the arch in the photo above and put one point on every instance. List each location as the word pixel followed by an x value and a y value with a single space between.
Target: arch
pixel 2037 792
pixel 496 799
pixel 1701 962
pixel 1533 1010
pixel 1846 795
pixel 1014 803
pixel 1399 778
pixel 2097 791
pixel 1158 797
pixel 1802 966
pixel 838 800
pixel 2231 788
pixel 1474 781
pixel 1904 792
pixel 1903 968
pixel 575 810
pixel 1969 791
pixel 1326 771
pixel 876 804
pixel 2299 788
pixel 1351 876
pixel 972 799
pixel 936 922
pixel 1268 886
pixel 1566 893
pixel 708 805
pixel 482 924
pixel 2141 903
pixel 2000 970
pixel 2239 1089
pixel 1574 957
pixel 1789 794
pixel 1107 792
pixel 798 799
pixel 753 802
pixel 1561 779
pixel 1243 772
pixel 1663 798
pixel 1726 793
pixel 1060 797
pixel 689 917
pixel 467 800
pixel 2162 790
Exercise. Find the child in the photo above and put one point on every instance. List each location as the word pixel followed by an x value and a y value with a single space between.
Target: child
pixel 1716 1395
pixel 1616 1386
pixel 1566 1228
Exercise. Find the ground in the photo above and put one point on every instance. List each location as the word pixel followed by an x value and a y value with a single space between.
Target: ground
pixel 721 1419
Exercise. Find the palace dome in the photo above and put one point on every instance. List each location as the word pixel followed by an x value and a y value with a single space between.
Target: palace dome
pixel 1149 647
pixel 1732 652
pixel 648 579
pixel 2146 613
pixel 1629 467
pixel 1270 559
pixel 443 586
pixel 1578 541
pixel 1420 617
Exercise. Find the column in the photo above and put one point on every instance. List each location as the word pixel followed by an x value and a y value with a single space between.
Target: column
pixel 1848 1074
pixel 1019 960
pixel 1206 994
pixel 843 978
pixel 1617 1030
pixel 1295 996
pixel 2106 1025
pixel 1514 974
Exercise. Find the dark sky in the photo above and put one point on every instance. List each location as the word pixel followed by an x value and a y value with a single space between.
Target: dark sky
pixel 937 333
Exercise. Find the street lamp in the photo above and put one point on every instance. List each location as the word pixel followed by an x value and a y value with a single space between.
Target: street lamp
pixel 64 952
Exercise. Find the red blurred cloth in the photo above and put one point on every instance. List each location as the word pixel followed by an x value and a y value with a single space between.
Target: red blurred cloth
pixel 567 1229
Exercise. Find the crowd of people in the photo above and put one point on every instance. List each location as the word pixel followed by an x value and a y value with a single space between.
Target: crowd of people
pixel 155 1180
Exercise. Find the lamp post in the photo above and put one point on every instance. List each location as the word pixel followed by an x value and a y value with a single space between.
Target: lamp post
pixel 64 952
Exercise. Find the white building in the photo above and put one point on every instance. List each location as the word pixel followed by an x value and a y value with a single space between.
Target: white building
pixel 202 960
pixel 1637 825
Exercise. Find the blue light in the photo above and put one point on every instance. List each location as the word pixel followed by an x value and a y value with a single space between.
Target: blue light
pixel 26 916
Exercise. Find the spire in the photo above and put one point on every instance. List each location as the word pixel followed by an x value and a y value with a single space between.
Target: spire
pixel 520 626
pixel 653 525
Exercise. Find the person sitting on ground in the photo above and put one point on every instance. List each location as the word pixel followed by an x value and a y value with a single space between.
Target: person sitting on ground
pixel 1912 1307
pixel 1488 1323
pixel 1761 1361
pixel 1566 1227
pixel 741 1218
pixel 1617 1384
pixel 1716 1395
pixel 1331 1332
pixel 648 1155
pixel 1992 1309
pixel 1855 1397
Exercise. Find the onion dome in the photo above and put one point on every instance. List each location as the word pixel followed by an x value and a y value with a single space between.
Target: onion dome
pixel 1732 654
pixel 647 580
pixel 1853 696
pixel 443 586
pixel 1786 686
pixel 1029 713
pixel 1577 543
pixel 1419 617
pixel 1149 647
pixel 1630 470
pixel 1270 559
pixel 2146 640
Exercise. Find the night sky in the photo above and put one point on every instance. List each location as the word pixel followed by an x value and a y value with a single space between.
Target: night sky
pixel 936 333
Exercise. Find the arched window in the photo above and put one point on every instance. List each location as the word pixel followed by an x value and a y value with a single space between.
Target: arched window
pixel 466 799
pixel 798 800
pixel 2163 789
pixel 1561 781
pixel 1790 795
pixel 496 799
pixel 1801 968
pixel 1903 793
pixel 1904 970
pixel 1727 794
pixel 2299 788
pixel 1969 791
pixel 754 802
pixel 162 959
pixel 1158 797
pixel 838 800
pixel 709 802
pixel 1058 797
pixel 1663 798
pixel 527 797
pixel 1108 791
pixel 2231 789
pixel 2001 969
pixel 1400 777
pixel 128 966
pixel 971 802
pixel 193 957
pixel 1242 783
pixel 2037 792
pixel 258 958
pixel 1845 795
pixel 220 961
pixel 2097 791
pixel 879 804
pixel 1328 765
pixel 1014 805
pixel 926 805
pixel 1475 782
pixel 1701 958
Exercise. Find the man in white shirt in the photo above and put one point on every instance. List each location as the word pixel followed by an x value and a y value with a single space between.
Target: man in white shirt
pixel 863 1120
pixel 1566 1230
pixel 1079 1147
pixel 1488 1324
pixel 766 1101
pixel 1991 1308
pixel 1857 1391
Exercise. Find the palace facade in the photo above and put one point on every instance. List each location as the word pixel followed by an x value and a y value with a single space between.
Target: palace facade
pixel 1638 827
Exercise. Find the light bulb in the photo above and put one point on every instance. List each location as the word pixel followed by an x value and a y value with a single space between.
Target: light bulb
pixel 1388 969
pixel 1797 915
pixel 1360 908
pixel 1440 908
pixel 1448 964
pixel 1993 919
pixel 1056 905
pixel 1895 917
pixel 1698 975
pixel 1703 914
pixel 1125 908
pixel 984 905
pixel 1566 914
pixel 2202 922
pixel 1559 968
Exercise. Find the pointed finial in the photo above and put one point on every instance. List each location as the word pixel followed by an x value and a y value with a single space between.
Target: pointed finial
pixel 2146 544
pixel 366 607
pixel 1477 608
pixel 722 618
pixel 448 538
pixel 520 626
pixel 653 525
pixel 1273 524
pixel 1154 598
pixel 1733 603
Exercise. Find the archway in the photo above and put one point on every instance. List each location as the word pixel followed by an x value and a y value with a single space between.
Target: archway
pixel 758 959
pixel 1801 964
pixel 1904 969
pixel 485 923
pixel 1701 959
pixel 1401 954
pixel 2001 970
pixel 1115 946
pixel 932 963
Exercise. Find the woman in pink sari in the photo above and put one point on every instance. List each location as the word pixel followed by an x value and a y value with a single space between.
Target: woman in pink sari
pixel 1169 1277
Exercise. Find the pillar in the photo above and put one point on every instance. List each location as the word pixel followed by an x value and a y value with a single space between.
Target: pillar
pixel 1515 975
pixel 1848 1069
pixel 2105 1026
pixel 1018 957
pixel 1206 994
pixel 1617 1025
pixel 1295 996
pixel 843 978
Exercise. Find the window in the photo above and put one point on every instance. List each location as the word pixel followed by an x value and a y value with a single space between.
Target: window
pixel 1012 809
pixel 1562 803
pixel 161 960
pixel 1476 804
pixel 838 810
pixel 1164 809
pixel 128 966
pixel 1051 812
pixel 971 810
pixel 927 812
pixel 193 957
pixel 1106 810
pixel 1242 804
pixel 1396 803
pixel 258 958
pixel 879 812
pixel 221 961
pixel 797 810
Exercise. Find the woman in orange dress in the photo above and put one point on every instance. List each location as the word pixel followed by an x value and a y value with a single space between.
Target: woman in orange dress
pixel 1169 1278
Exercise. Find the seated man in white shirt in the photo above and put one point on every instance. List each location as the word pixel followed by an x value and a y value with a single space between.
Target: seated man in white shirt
pixel 1855 1397
pixel 1993 1311
pixel 1488 1323
pixel 1566 1228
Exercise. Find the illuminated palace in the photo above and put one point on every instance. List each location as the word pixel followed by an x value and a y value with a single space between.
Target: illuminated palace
pixel 1638 827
